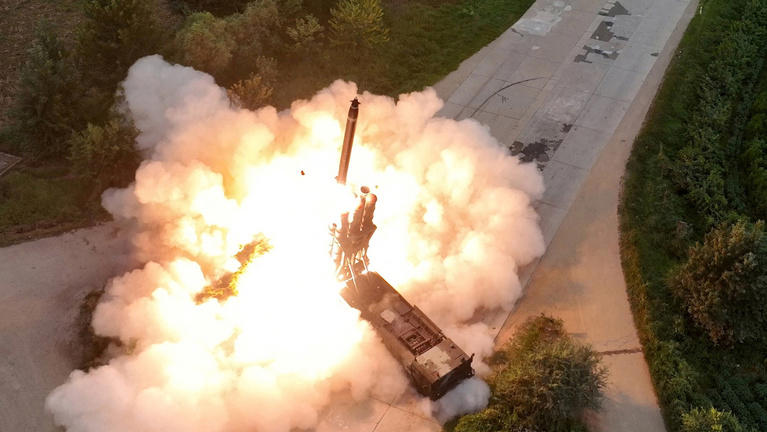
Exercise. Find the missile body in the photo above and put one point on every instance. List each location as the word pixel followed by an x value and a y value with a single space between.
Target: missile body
pixel 346 150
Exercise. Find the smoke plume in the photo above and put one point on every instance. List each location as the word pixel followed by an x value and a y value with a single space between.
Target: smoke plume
pixel 454 219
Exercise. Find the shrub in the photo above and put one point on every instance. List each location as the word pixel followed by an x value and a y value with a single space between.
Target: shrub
pixel 251 93
pixel 489 420
pixel 545 382
pixel 105 154
pixel 710 420
pixel 724 282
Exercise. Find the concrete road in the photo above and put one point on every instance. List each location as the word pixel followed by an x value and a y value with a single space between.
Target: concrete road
pixel 41 286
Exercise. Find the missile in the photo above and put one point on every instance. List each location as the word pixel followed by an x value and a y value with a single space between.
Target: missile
pixel 346 150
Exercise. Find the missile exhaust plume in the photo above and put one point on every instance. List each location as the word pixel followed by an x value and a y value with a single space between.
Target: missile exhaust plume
pixel 454 221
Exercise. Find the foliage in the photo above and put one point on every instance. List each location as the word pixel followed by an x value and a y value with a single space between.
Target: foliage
pixel 43 111
pixel 710 420
pixel 724 283
pixel 305 34
pixel 229 48
pixel 704 163
pixel 255 91
pixel 698 176
pixel 114 35
pixel 218 7
pixel 205 43
pixel 545 381
pixel 77 86
pixel 105 154
pixel 357 27
pixel 35 199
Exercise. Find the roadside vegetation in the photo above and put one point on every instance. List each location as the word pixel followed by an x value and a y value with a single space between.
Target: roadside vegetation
pixel 60 113
pixel 693 244
pixel 542 380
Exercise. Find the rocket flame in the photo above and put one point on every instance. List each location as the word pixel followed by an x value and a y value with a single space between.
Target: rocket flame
pixel 455 222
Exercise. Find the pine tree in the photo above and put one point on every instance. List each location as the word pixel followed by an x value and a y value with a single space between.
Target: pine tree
pixel 357 27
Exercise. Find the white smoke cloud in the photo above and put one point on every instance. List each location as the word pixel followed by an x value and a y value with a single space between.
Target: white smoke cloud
pixel 455 223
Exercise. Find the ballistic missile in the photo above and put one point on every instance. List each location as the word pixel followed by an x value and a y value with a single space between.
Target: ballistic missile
pixel 346 150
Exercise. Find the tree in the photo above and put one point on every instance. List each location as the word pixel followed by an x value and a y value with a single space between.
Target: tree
pixel 114 35
pixel 357 27
pixel 723 283
pixel 710 420
pixel 205 43
pixel 255 91
pixel 230 48
pixel 545 381
pixel 305 34
pixel 43 111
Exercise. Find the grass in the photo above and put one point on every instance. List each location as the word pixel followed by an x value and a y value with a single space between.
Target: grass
pixel 43 200
pixel 687 370
pixel 428 40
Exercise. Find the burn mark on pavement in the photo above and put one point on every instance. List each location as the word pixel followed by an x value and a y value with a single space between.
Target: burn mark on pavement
pixel 539 151
pixel 611 40
pixel 613 9
pixel 604 32
pixel 612 55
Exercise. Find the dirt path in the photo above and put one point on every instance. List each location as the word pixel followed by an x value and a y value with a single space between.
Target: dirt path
pixel 41 286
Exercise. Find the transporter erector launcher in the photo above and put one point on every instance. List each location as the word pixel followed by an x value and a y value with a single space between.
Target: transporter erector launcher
pixel 434 363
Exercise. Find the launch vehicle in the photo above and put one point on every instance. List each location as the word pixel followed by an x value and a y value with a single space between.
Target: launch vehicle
pixel 434 363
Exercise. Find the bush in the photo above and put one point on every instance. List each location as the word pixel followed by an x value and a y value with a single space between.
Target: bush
pixel 710 420
pixel 105 154
pixel 545 382
pixel 255 91
pixel 724 281
pixel 251 93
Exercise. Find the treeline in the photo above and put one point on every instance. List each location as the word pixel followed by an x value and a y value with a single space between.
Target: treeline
pixel 68 90
pixel 693 243
pixel 263 51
